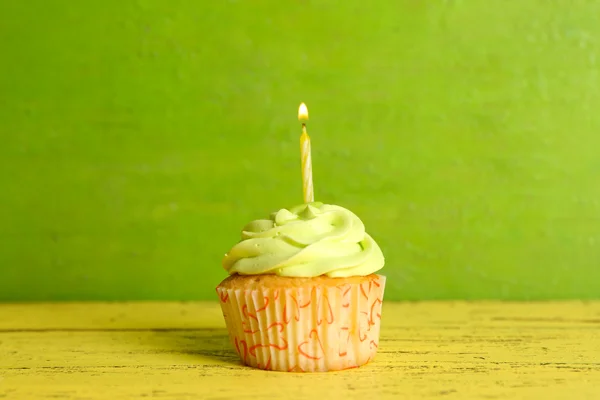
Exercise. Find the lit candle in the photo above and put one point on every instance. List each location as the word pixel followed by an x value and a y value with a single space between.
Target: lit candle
pixel 307 181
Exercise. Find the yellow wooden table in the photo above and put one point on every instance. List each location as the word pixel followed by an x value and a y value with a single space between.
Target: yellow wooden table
pixel 431 350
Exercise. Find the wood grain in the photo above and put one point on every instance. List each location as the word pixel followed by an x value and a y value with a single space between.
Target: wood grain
pixel 449 350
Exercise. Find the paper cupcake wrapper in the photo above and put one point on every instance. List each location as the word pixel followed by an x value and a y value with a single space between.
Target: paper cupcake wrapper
pixel 319 328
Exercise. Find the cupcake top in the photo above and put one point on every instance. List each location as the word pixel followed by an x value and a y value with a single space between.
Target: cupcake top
pixel 308 240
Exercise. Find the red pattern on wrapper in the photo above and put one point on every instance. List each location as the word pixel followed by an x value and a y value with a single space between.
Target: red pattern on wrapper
pixel 245 347
pixel 302 329
pixel 224 297
pixel 324 304
pixel 291 309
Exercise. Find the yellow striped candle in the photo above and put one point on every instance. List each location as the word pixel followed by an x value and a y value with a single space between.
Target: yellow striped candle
pixel 307 181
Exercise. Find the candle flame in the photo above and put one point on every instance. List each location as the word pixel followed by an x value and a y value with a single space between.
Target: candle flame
pixel 302 112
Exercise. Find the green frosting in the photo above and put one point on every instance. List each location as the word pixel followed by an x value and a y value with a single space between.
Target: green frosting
pixel 308 240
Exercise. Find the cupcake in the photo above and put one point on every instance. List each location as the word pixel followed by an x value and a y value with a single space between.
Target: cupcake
pixel 302 294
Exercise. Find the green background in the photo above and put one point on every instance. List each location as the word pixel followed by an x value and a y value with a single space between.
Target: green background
pixel 138 137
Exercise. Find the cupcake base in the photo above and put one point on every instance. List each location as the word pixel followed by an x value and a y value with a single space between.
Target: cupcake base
pixel 303 324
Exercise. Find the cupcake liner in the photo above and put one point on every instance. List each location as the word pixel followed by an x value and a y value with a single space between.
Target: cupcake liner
pixel 305 329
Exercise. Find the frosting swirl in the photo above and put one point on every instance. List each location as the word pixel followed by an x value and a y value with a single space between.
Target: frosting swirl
pixel 308 240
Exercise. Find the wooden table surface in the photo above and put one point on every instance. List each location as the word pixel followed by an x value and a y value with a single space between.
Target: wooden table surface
pixel 430 350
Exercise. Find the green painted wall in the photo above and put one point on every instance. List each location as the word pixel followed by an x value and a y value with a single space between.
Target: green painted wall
pixel 138 137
